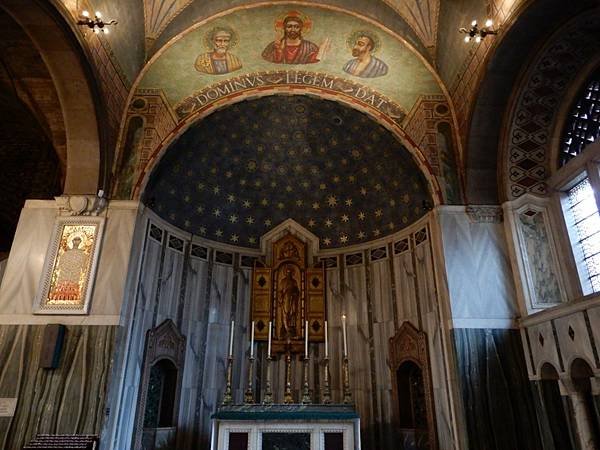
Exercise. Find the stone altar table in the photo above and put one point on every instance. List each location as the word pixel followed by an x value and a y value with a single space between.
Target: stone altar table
pixel 286 427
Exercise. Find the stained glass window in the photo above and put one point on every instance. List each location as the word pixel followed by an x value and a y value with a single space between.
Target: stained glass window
pixel 584 210
pixel 583 125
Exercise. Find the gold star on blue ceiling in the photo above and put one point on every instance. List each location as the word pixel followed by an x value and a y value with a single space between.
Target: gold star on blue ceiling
pixel 243 170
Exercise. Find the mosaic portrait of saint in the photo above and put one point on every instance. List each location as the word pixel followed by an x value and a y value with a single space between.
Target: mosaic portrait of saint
pixel 290 47
pixel 73 261
pixel 218 60
pixel 364 64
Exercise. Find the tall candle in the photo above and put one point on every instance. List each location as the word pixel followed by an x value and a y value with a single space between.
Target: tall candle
pixel 231 339
pixel 252 341
pixel 344 334
pixel 326 342
pixel 269 347
pixel 306 339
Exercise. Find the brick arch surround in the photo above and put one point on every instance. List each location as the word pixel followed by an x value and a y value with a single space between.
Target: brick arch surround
pixel 526 154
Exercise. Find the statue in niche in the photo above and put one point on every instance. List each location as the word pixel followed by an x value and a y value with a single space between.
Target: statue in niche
pixel 289 299
pixel 288 294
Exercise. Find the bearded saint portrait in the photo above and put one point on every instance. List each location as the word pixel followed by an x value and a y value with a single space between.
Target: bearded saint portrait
pixel 292 48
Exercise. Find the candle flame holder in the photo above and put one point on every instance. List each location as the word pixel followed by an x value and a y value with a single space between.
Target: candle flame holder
pixel 305 389
pixel 346 374
pixel 268 397
pixel 249 394
pixel 326 396
pixel 228 396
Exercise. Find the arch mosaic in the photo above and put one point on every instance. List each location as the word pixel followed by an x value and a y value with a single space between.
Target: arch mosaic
pixel 192 76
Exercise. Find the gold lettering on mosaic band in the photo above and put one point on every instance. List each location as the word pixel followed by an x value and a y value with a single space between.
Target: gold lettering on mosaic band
pixel 238 85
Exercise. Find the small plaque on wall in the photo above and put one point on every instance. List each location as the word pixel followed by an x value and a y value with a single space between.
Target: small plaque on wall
pixel 7 407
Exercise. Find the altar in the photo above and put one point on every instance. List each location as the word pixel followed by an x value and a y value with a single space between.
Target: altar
pixel 288 314
pixel 286 427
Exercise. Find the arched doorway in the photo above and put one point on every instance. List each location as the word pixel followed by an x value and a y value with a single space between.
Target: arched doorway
pixel 554 409
pixel 583 408
pixel 160 387
pixel 412 390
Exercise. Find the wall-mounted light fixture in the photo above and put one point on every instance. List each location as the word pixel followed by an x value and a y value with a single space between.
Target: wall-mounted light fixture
pixel 96 23
pixel 478 34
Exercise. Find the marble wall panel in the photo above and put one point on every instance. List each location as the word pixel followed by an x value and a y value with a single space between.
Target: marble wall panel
pixel 537 251
pixel 594 318
pixel 480 281
pixel 543 347
pixel 359 348
pixel 26 259
pixel 69 399
pixel 574 340
pixel 406 298
pixel 109 285
pixel 497 395
pixel 202 296
pixel 431 322
pixel 25 263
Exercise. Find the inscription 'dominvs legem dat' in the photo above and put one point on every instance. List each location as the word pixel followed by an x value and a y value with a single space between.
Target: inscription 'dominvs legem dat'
pixel 334 84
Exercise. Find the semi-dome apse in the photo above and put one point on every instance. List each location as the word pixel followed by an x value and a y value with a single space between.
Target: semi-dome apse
pixel 241 171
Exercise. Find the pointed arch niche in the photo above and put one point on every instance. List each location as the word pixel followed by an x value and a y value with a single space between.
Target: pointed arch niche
pixel 160 387
pixel 412 388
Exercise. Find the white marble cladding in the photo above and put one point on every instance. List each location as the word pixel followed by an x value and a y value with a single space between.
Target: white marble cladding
pixel 480 282
pixel 535 260
pixel 26 259
pixel 562 334
pixel 204 286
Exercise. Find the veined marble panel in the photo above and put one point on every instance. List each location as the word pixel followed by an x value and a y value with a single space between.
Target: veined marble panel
pixel 480 281
pixel 67 400
pixel 202 296
pixel 25 263
pixel 543 347
pixel 406 299
pixel 497 396
pixel 574 340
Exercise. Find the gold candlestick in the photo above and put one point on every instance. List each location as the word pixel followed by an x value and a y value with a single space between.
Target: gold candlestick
pixel 347 392
pixel 228 397
pixel 305 390
pixel 249 394
pixel 287 395
pixel 326 397
pixel 268 397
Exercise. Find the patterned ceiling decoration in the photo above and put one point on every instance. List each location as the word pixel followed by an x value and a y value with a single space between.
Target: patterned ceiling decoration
pixel 534 118
pixel 422 16
pixel 158 14
pixel 330 168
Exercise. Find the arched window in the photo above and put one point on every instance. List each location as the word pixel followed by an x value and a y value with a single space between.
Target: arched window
pixel 578 178
pixel 583 124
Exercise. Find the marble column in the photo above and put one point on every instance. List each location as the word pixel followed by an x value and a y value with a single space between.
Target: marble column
pixel 580 414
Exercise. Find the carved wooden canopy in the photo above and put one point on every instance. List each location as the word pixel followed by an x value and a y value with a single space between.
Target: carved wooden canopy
pixel 288 294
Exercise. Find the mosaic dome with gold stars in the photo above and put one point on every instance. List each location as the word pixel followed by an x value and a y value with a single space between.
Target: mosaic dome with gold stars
pixel 243 170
